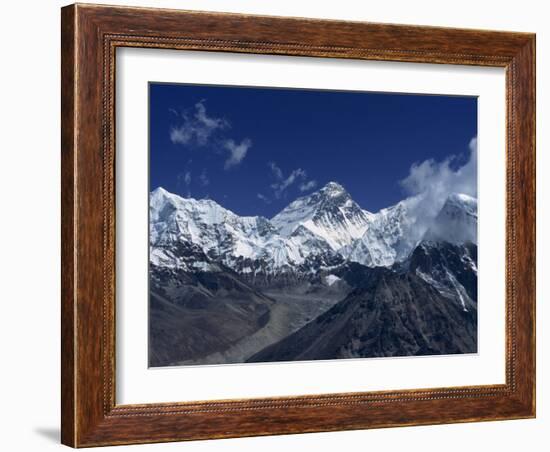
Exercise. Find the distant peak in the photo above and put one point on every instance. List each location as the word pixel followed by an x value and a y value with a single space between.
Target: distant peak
pixel 160 196
pixel 461 197
pixel 461 200
pixel 159 191
pixel 333 188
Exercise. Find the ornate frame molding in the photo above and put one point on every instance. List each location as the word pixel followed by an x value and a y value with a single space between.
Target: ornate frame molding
pixel 90 37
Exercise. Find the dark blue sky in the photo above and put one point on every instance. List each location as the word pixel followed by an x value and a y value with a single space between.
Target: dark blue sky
pixel 254 150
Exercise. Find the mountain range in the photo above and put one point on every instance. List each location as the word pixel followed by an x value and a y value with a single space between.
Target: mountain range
pixel 322 279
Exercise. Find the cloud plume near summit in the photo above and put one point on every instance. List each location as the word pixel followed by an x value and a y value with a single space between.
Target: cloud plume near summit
pixel 440 179
pixel 430 183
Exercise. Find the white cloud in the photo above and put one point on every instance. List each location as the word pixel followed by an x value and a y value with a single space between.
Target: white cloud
pixel 184 181
pixel 473 144
pixel 305 186
pixel 430 183
pixel 181 135
pixel 283 183
pixel 237 152
pixel 185 178
pixel 203 178
pixel 277 172
pixel 263 198
pixel 208 122
pixel 440 179
pixel 198 128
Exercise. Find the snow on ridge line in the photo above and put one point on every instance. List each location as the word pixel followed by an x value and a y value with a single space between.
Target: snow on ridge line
pixel 331 279
pixel 159 194
pixel 329 213
pixel 314 226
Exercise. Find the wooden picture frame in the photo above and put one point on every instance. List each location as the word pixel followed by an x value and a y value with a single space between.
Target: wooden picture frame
pixel 90 36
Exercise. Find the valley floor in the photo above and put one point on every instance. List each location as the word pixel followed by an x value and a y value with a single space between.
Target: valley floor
pixel 289 313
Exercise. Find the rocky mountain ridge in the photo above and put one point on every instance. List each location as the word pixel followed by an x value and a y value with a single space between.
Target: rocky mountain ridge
pixel 317 231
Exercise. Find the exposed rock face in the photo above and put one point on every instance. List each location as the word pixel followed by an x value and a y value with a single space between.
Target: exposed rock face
pixel 192 315
pixel 451 269
pixel 396 315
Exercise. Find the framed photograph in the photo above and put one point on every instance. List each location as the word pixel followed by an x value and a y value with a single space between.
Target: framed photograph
pixel 281 225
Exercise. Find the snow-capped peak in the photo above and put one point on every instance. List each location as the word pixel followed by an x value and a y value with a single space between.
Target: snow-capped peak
pixel 456 222
pixel 333 189
pixel 159 191
pixel 179 226
pixel 329 213
pixel 461 201
pixel 394 232
pixel 319 229
pixel 159 196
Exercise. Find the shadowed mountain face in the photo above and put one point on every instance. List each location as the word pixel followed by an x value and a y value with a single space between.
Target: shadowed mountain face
pixel 195 314
pixel 323 279
pixel 395 315
pixel 451 269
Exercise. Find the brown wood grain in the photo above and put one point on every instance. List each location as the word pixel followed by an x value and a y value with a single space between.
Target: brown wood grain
pixel 90 36
pixel 67 226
